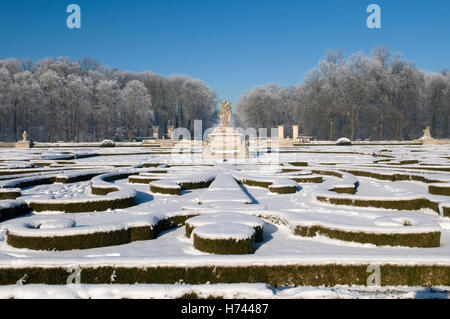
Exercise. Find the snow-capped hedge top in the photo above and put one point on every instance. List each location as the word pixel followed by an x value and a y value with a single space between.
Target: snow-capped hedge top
pixel 283 182
pixel 219 218
pixel 107 143
pixel 224 231
pixel 343 141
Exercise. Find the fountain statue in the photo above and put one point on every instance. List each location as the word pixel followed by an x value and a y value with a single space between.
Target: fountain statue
pixel 225 112
pixel 225 142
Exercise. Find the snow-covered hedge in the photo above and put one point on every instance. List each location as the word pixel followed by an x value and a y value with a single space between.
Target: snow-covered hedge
pixel 116 196
pixel 79 175
pixel 348 185
pixel 107 143
pixel 439 189
pixel 165 186
pixel 9 193
pixel 174 185
pixel 403 203
pixel 343 141
pixel 224 238
pixel 220 218
pixel 402 230
pixel 13 208
pixel 65 235
pixel 101 184
pixel 283 186
pixel 62 233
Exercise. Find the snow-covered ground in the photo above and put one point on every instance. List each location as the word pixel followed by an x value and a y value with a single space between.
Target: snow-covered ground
pixel 282 213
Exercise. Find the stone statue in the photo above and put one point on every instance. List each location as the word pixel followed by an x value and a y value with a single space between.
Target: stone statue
pixel 225 112
pixel 426 132
pixel 25 136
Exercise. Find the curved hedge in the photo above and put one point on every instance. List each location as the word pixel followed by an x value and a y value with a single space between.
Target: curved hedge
pixel 172 189
pixel 437 189
pixel 83 205
pixel 431 239
pixel 13 208
pixel 165 190
pixel 414 203
pixel 117 196
pixel 283 189
pixel 9 193
pixel 82 241
pixel 100 238
pixel 224 246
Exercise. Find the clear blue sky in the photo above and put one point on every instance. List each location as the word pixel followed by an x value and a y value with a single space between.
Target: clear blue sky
pixel 232 45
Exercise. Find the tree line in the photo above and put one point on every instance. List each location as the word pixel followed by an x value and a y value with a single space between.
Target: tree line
pixel 377 97
pixel 60 99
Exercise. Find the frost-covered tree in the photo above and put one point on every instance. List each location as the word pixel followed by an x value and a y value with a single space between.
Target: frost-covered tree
pixel 135 107
pixel 375 97
pixel 77 91
pixel 52 86
pixel 28 95
pixel 108 95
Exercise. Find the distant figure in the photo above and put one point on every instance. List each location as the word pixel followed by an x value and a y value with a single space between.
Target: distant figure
pixel 374 154
pixel 24 136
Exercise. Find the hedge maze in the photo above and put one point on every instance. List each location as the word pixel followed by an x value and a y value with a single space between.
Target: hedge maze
pixel 316 217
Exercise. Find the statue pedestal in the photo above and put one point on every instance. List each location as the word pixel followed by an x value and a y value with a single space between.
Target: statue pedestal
pixel 225 143
pixel 22 144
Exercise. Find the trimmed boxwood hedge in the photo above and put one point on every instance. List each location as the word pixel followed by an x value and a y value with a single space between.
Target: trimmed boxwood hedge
pixel 101 204
pixel 152 164
pixel 276 275
pixel 283 190
pixel 259 231
pixel 163 190
pixel 446 211
pixel 37 180
pixel 137 179
pixel 399 204
pixel 329 173
pixel 439 189
pixel 97 239
pixel 224 246
pixel 9 193
pixel 391 177
pixel 84 241
pixel 431 239
pixel 344 190
pixel 82 207
pixel 299 163
pixel 195 185
pixel 307 179
pixel 257 183
pixel 78 178
pixel 183 186
pixel 20 209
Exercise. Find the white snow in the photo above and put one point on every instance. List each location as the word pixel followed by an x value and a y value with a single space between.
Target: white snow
pixel 224 230
pixel 225 217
